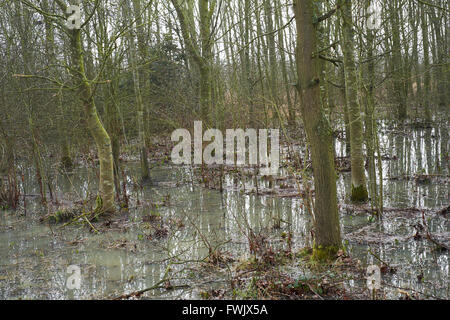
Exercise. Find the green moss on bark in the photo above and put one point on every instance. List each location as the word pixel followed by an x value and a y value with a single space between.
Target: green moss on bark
pixel 359 194
pixel 66 163
pixel 328 253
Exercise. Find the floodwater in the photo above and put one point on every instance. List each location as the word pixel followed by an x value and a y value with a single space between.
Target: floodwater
pixel 133 254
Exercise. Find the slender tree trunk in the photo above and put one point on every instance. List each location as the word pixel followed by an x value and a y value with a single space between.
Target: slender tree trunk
pixel 109 92
pixel 397 62
pixel 346 113
pixel 201 55
pixel 260 62
pixel 272 58
pixel 359 188
pixel 287 86
pixel 426 65
pixel 441 68
pixel 371 125
pixel 66 160
pixel 137 74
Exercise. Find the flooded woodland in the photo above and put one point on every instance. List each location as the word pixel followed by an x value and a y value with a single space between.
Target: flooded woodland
pixel 177 220
pixel 353 98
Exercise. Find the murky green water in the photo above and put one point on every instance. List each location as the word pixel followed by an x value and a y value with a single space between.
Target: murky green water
pixel 130 255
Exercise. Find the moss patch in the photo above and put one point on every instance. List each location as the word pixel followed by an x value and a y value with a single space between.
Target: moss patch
pixel 60 216
pixel 323 254
pixel 359 194
pixel 66 163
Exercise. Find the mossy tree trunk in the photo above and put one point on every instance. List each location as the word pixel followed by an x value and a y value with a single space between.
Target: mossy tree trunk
pixel 109 91
pixel 112 121
pixel 359 188
pixel 94 124
pixel 96 128
pixel 319 132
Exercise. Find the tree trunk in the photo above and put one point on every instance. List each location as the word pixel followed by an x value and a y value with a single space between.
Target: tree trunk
pixel 145 175
pixel 397 62
pixel 426 65
pixel 96 128
pixel 359 188
pixel 441 67
pixel 319 133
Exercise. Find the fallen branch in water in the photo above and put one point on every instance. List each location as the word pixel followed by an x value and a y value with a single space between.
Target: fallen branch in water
pixel 158 285
pixel 430 237
pixel 90 224
pixel 403 290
